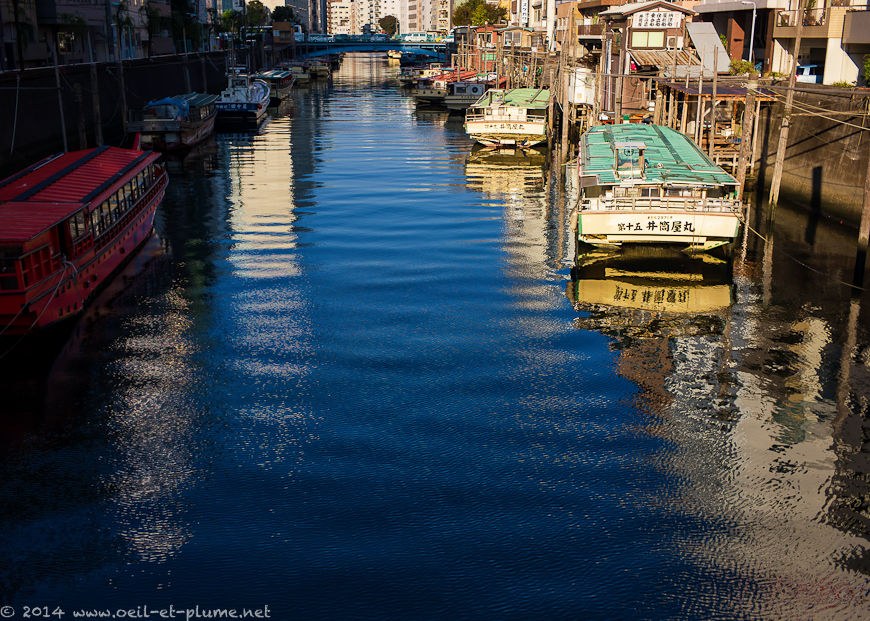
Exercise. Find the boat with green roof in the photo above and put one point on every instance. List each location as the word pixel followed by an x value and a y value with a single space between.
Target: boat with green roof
pixel 516 117
pixel 646 184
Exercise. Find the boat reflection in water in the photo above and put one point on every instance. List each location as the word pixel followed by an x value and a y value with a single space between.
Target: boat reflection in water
pixel 651 293
pixel 506 170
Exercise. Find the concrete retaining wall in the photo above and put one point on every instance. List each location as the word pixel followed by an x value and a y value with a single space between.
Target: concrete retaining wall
pixel 826 161
pixel 30 121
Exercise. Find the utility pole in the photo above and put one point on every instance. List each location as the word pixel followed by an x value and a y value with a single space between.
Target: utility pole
pixel 786 115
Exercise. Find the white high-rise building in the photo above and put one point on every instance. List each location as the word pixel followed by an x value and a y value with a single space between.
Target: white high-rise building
pixel 399 10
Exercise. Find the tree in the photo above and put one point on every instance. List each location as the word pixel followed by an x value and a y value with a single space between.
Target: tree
pixel 389 24
pixel 257 13
pixel 154 23
pixel 283 14
pixel 478 13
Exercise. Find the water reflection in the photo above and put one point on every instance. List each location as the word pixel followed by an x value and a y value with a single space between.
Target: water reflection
pixel 752 394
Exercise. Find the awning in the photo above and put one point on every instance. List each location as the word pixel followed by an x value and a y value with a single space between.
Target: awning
pixel 664 59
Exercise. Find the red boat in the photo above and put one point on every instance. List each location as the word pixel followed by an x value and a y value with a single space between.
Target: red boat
pixel 67 224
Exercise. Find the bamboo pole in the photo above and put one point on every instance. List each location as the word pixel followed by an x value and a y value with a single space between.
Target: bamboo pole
pixel 773 199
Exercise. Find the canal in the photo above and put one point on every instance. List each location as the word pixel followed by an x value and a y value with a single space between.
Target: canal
pixel 354 376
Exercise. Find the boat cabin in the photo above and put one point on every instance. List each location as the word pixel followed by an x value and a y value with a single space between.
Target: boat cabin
pixel 66 223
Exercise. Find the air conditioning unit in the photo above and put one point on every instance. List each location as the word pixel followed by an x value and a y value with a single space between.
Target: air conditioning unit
pixel 672 43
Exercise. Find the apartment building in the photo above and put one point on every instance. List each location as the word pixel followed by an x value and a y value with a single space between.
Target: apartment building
pixel 834 40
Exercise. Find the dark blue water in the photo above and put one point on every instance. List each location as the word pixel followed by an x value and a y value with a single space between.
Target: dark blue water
pixel 354 377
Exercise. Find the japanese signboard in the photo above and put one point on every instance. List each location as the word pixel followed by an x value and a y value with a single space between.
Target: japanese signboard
pixel 524 12
pixel 656 19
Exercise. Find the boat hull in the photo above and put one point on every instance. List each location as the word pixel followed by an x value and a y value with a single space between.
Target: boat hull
pixel 172 135
pixel 234 114
pixel 689 228
pixel 507 133
pixel 65 293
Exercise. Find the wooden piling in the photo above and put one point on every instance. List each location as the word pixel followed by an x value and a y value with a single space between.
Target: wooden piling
pixel 712 134
pixel 95 104
pixel 59 97
pixel 746 139
pixel 697 133
pixel 773 198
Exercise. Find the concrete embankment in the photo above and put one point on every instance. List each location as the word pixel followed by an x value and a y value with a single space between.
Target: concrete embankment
pixel 826 159
pixel 93 98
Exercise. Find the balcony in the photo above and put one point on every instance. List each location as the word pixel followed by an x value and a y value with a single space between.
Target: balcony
pixel 821 23
pixel 590 31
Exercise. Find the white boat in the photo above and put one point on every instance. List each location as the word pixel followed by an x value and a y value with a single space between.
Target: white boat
pixel 515 117
pixel 460 95
pixel 244 101
pixel 645 184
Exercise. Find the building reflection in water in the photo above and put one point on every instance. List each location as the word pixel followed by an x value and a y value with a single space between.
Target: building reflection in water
pixel 750 396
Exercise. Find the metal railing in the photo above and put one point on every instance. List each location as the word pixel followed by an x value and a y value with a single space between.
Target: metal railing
pixel 811 17
pixel 651 203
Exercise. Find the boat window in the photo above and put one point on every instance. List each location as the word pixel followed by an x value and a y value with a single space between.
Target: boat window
pixel 460 90
pixel 121 201
pixel 653 192
pixel 132 190
pixel 113 203
pixel 77 225
pixel 8 259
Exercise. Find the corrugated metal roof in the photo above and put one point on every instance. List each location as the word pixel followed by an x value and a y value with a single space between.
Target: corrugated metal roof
pixel 671 157
pixel 71 177
pixel 21 222
pixel 709 46
pixel 664 58
pixel 723 91
pixel 534 98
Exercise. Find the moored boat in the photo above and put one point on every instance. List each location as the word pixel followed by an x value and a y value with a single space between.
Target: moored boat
pixel 67 223
pixel 177 122
pixel 318 69
pixel 300 73
pixel 280 84
pixel 516 117
pixel 645 184
pixel 243 102
pixel 463 93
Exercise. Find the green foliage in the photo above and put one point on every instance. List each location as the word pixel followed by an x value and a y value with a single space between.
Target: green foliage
pixel 257 13
pixel 844 84
pixel 283 14
pixel 724 41
pixel 231 21
pixel 389 24
pixel 866 69
pixel 740 67
pixel 478 13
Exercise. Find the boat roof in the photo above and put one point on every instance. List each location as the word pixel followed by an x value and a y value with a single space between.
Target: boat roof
pixel 74 177
pixel 192 100
pixel 274 74
pixel 534 98
pixel 671 157
pixel 21 222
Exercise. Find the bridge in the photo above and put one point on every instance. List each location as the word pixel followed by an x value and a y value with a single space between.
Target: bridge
pixel 313 49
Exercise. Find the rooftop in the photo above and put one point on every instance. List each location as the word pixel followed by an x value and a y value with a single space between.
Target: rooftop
pixel 671 157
